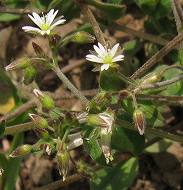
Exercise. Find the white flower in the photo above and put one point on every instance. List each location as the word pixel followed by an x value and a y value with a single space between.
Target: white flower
pixel 45 23
pixel 107 57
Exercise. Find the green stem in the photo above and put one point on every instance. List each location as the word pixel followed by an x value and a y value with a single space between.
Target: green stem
pixel 157 132
pixel 69 85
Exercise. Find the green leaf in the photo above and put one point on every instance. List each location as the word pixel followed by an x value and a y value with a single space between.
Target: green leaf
pixel 92 146
pixel 119 177
pixel 131 47
pixel 110 80
pixel 115 1
pixel 148 6
pixel 152 114
pixel 127 140
pixel 13 165
pixel 6 17
pixel 112 11
pixel 159 146
pixel 68 8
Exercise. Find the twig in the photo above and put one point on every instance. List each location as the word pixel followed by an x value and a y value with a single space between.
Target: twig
pixel 60 183
pixel 69 85
pixel 158 56
pixel 139 34
pixel 156 139
pixel 178 14
pixel 75 64
pixel 163 83
pixel 15 11
pixel 88 93
pixel 170 100
pixel 90 17
pixel 19 128
pixel 30 104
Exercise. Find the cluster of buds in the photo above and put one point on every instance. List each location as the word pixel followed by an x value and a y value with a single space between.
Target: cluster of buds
pixel 105 121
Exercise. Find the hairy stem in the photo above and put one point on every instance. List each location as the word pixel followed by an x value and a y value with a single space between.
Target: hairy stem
pixel 69 85
pixel 158 56
pixel 90 17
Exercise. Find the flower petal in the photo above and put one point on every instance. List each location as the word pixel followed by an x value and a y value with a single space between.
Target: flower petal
pixel 114 50
pixel 61 21
pixel 36 19
pixel 99 51
pixel 118 58
pixel 51 16
pixel 102 48
pixel 104 67
pixel 94 58
pixel 31 29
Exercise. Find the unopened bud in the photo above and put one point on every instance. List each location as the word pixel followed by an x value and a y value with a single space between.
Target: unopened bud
pixel 123 94
pixel 21 63
pixel 139 120
pixel 102 119
pixel 38 50
pixel 63 161
pixel 1 171
pixel 39 121
pixel 46 101
pixel 21 151
pixel 82 38
pixel 153 78
pixel 29 74
pixel 42 133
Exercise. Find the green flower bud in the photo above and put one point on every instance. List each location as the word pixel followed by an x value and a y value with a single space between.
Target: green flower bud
pixel 43 133
pixel 46 101
pixel 29 74
pixel 21 63
pixel 102 119
pixel 82 38
pixel 153 78
pixel 21 151
pixel 39 121
pixel 63 159
pixel 139 120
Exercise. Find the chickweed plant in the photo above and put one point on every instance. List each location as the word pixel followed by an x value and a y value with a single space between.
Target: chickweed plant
pixel 122 118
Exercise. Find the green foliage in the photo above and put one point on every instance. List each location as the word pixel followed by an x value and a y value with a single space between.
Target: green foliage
pixel 5 17
pixel 110 81
pixel 127 140
pixel 93 147
pixel 13 165
pixel 111 10
pixel 119 177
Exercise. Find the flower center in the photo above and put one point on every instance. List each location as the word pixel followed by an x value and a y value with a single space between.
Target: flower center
pixel 108 59
pixel 45 26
